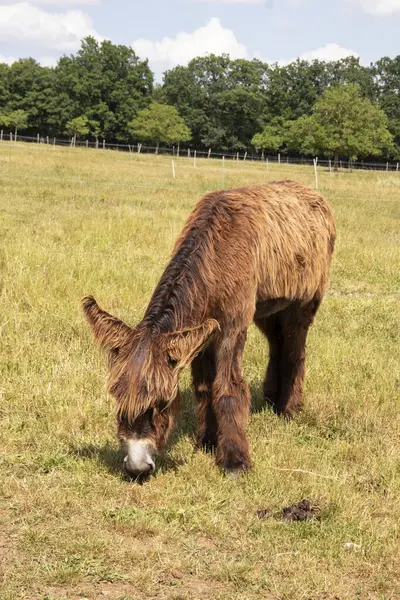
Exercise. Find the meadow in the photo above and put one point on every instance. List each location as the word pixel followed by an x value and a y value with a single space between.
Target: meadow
pixel 76 222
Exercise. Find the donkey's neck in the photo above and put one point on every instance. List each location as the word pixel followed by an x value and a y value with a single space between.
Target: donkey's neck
pixel 180 298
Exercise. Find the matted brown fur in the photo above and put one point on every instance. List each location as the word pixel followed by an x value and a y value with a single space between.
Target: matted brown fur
pixel 257 253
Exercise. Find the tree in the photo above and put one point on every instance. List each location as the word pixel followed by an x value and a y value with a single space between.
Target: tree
pixel 106 82
pixel 31 88
pixel 343 124
pixel 273 137
pixel 160 123
pixel 221 100
pixel 387 82
pixel 78 127
pixel 18 119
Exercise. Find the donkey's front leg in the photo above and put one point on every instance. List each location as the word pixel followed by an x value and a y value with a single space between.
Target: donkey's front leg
pixel 231 402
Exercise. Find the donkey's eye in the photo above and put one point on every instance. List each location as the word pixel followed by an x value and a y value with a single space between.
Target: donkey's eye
pixel 172 361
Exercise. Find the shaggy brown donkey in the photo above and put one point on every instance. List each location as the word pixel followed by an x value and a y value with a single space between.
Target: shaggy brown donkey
pixel 257 253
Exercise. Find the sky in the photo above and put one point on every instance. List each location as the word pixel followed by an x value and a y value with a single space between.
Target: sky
pixel 171 32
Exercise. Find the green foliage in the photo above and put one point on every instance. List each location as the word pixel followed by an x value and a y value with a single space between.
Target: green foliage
pixel 222 100
pixel 227 104
pixel 273 137
pixel 343 123
pixel 160 123
pixel 17 119
pixel 78 126
pixel 107 83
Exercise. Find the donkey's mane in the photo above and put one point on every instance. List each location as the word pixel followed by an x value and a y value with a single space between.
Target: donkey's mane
pixel 180 298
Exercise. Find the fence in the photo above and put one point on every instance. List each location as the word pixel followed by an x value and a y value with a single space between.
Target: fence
pixel 177 151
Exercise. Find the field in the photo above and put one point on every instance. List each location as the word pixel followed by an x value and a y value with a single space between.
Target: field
pixel 75 222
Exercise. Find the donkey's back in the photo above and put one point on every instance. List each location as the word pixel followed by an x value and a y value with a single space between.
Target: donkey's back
pixel 260 243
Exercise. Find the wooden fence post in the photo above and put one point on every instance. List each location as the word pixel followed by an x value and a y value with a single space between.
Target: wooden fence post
pixel 316 172
pixel 173 169
pixel 209 153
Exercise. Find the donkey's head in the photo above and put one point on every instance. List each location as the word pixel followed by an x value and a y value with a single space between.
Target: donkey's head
pixel 144 372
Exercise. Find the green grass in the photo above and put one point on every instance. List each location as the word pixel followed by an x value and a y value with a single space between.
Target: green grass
pixel 74 222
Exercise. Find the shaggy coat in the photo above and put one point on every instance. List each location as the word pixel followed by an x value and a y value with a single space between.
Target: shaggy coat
pixel 259 253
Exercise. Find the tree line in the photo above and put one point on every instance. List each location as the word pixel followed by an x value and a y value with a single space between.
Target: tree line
pixel 337 109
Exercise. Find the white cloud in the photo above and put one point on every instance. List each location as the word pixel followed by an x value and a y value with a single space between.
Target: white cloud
pixel 62 31
pixel 9 60
pixel 53 2
pixel 327 53
pixel 48 61
pixel 233 1
pixel 383 8
pixel 45 61
pixel 213 38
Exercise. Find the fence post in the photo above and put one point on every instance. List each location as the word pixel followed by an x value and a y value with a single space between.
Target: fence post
pixel 104 144
pixel 47 139
pixel 279 159
pixel 223 172
pixel 262 155
pixel 315 160
pixel 267 165
pixel 1 135
pixel 330 167
pixel 173 169
pixel 38 138
pixel 194 159
pixel 245 155
pixel 188 152
pixel 237 158
pixel 11 138
pixel 209 153
pixel 87 143
pixel 54 144
pixel 177 152
pixel 397 167
pixel 387 166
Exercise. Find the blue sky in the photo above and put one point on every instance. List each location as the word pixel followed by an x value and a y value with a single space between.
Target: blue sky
pixel 171 32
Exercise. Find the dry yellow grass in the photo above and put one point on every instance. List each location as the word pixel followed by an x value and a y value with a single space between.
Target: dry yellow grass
pixel 75 222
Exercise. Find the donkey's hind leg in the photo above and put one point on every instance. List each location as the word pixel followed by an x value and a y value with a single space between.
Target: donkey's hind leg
pixel 271 328
pixel 295 322
pixel 203 374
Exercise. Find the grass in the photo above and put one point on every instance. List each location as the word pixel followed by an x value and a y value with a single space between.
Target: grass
pixel 80 221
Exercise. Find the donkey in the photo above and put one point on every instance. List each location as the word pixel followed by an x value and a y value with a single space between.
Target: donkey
pixel 260 253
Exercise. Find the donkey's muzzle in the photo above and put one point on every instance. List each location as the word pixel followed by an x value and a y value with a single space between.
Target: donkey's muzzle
pixel 139 460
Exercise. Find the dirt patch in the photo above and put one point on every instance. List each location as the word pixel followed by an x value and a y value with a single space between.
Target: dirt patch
pixel 301 511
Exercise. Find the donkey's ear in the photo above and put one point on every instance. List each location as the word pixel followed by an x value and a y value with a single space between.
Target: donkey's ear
pixel 109 331
pixel 182 346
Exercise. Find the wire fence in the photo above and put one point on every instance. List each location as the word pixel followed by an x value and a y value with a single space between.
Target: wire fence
pixel 192 153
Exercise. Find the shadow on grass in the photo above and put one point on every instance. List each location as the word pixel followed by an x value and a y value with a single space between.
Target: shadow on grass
pixel 111 457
